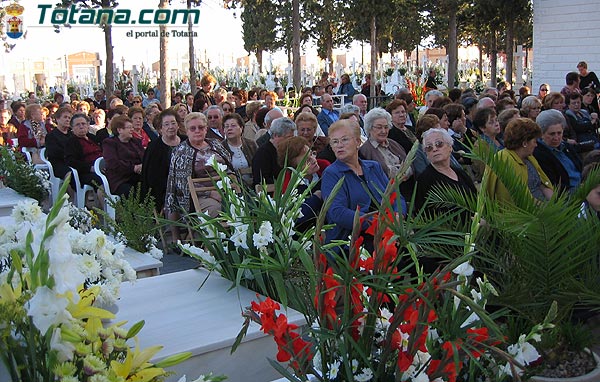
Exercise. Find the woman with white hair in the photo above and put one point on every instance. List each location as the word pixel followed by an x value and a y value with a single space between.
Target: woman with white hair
pixel 378 146
pixel 437 144
pixel 557 158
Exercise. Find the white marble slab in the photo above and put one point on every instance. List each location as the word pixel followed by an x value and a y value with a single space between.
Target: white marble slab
pixel 205 322
pixel 8 199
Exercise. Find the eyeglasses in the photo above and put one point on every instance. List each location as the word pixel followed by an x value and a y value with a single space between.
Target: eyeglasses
pixel 437 144
pixel 137 101
pixel 196 128
pixel 226 110
pixel 543 90
pixel 343 141
pixel 213 117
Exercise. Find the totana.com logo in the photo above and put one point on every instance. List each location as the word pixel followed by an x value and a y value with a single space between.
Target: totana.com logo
pixel 85 16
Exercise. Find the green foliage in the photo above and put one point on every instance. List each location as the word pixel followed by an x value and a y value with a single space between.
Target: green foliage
pixel 535 253
pixel 21 176
pixel 134 220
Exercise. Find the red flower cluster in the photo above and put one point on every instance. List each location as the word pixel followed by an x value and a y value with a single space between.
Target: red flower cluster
pixel 289 343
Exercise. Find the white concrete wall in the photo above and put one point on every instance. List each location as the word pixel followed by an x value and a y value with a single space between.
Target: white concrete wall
pixel 564 33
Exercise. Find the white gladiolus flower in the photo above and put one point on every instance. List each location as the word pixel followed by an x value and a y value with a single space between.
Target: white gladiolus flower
pixel 155 252
pixel 198 252
pixel 264 235
pixel 464 269
pixel 46 308
pixel 239 237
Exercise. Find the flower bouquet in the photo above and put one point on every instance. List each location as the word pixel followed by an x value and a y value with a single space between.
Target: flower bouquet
pixel 379 317
pixel 254 241
pixel 49 329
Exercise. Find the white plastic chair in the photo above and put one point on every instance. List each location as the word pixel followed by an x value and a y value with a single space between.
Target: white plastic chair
pixel 39 166
pixel 99 170
pixel 55 182
pixel 80 189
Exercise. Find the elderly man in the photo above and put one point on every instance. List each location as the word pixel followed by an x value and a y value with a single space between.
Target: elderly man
pixel 264 164
pixel 214 114
pixel 361 101
pixel 327 116
pixel 263 134
pixel 486 103
pixel 430 97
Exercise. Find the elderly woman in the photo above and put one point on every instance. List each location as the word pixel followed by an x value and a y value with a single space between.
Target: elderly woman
pixel 123 155
pixel 181 109
pixel 32 132
pixel 293 152
pixel 520 139
pixel 82 150
pixel 191 159
pixel 242 150
pixel 307 125
pixel 157 157
pixel 399 132
pixel 531 107
pixel 136 114
pixel 437 144
pixel 557 158
pixel 388 153
pixel 363 183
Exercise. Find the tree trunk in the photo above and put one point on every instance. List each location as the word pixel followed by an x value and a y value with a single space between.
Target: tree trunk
pixel 109 79
pixel 259 54
pixel 452 49
pixel 494 61
pixel 373 61
pixel 329 50
pixel 296 44
pixel 191 54
pixel 165 74
pixel 510 50
pixel 480 62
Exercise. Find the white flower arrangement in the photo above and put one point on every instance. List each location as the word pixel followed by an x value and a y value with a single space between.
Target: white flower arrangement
pixel 84 256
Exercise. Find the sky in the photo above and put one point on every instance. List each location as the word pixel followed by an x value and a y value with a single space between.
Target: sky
pixel 219 34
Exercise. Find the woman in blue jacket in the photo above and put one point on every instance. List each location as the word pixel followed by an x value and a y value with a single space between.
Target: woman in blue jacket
pixel 363 180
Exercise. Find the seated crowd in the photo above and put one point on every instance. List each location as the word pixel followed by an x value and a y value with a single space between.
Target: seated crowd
pixel 550 140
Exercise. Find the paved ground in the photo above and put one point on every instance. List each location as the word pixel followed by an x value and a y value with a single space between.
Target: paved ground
pixel 175 263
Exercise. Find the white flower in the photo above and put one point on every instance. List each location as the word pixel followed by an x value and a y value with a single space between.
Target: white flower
pixel 464 269
pixel 524 352
pixel 366 375
pixel 212 161
pixel 27 211
pixel 46 308
pixel 155 252
pixel 90 267
pixel 264 235
pixel 198 253
pixel 240 235
pixel 334 369
pixel 354 365
pixel 65 349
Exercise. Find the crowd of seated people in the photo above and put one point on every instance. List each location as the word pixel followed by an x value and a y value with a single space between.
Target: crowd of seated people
pixel 546 139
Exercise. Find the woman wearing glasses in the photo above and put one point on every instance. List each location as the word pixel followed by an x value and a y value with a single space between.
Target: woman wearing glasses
pixel 363 182
pixel 543 91
pixel 191 158
pixel 437 144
